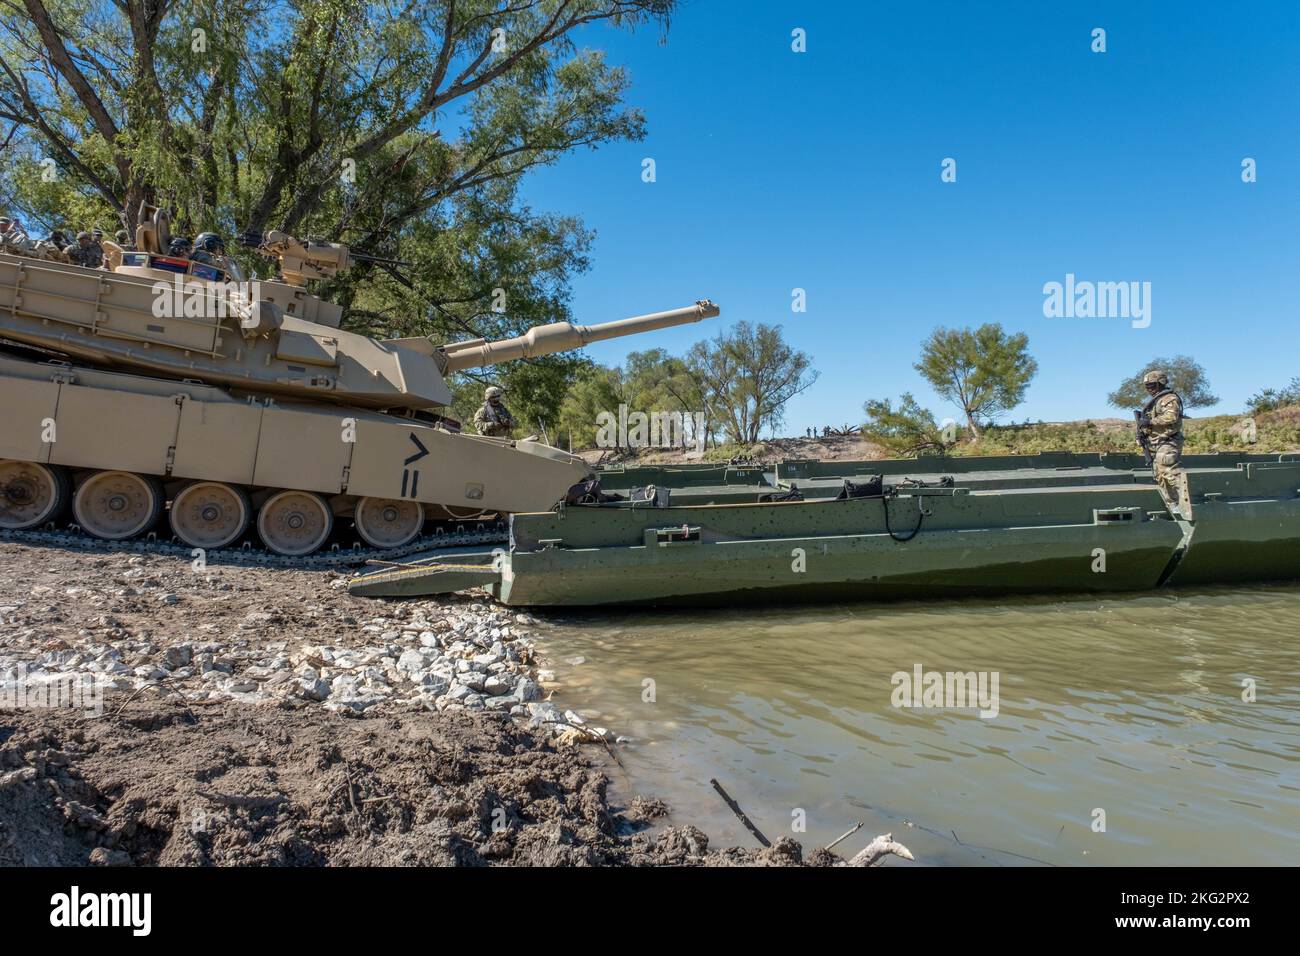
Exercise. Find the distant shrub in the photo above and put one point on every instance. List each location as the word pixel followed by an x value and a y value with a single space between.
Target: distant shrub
pixel 1271 399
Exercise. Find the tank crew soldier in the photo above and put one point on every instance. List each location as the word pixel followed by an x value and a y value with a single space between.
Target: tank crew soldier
pixel 97 243
pixel 13 235
pixel 181 247
pixel 1161 425
pixel 209 248
pixel 123 239
pixel 493 418
pixel 84 252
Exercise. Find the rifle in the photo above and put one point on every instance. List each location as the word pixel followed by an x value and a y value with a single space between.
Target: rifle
pixel 1142 439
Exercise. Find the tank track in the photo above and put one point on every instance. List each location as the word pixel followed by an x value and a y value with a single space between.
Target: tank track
pixel 73 539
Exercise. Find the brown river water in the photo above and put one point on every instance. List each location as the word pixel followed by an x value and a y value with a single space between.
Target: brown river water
pixel 1125 713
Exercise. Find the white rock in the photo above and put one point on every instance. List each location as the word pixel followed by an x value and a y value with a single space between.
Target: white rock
pixel 312 689
pixel 499 685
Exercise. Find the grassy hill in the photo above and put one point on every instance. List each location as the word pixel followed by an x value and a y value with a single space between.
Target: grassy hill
pixel 1275 431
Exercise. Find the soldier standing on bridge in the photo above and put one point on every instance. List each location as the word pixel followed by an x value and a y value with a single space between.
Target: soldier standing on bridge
pixel 493 418
pixel 1161 426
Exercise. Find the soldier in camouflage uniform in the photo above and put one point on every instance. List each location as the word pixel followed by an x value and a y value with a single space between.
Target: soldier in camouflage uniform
pixel 1161 425
pixel 85 252
pixel 13 238
pixel 493 418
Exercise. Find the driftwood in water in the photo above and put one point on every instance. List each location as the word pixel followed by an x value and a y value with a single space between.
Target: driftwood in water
pixel 735 808
pixel 879 848
pixel 845 835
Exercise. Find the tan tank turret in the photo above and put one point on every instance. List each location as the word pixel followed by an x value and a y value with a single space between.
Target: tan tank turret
pixel 184 386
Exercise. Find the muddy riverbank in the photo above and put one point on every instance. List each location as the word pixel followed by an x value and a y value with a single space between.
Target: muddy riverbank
pixel 249 716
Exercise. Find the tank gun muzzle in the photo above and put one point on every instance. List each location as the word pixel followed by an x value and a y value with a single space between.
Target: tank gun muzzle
pixel 563 336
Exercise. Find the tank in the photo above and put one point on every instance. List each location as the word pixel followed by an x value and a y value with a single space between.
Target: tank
pixel 161 384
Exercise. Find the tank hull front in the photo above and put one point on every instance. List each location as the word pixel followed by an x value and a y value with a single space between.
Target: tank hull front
pixel 95 419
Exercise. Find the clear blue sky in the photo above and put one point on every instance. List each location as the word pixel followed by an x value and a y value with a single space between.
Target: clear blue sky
pixel 821 170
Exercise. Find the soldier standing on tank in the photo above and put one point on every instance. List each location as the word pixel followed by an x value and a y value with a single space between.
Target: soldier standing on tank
pixel 97 240
pixel 84 252
pixel 493 418
pixel 1161 424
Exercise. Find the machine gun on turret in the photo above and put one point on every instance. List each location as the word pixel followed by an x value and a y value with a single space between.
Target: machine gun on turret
pixel 302 260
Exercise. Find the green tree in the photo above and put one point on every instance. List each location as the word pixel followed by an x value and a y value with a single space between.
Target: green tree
pixel 596 389
pixel 907 429
pixel 984 372
pixel 747 375
pixel 1186 377
pixel 660 382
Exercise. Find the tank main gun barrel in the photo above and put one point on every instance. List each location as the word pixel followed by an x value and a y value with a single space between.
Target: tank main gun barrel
pixel 563 336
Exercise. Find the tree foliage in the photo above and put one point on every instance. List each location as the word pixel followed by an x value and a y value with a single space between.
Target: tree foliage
pixel 984 372
pixel 907 429
pixel 1271 399
pixel 747 375
pixel 1186 377
pixel 596 389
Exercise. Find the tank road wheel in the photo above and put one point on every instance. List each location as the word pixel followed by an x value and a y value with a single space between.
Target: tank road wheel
pixel 30 494
pixel 295 522
pixel 385 523
pixel 209 514
pixel 117 504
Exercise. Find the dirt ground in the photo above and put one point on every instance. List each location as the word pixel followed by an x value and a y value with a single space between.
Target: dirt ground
pixel 224 784
pixel 208 750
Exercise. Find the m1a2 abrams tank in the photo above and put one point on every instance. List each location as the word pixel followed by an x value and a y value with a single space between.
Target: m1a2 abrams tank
pixel 164 384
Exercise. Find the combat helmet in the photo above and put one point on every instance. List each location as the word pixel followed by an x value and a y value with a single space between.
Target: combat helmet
pixel 1155 377
pixel 491 393
pixel 210 242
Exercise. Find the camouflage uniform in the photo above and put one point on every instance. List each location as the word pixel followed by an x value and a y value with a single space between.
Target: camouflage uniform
pixel 493 418
pixel 1162 426
pixel 89 255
